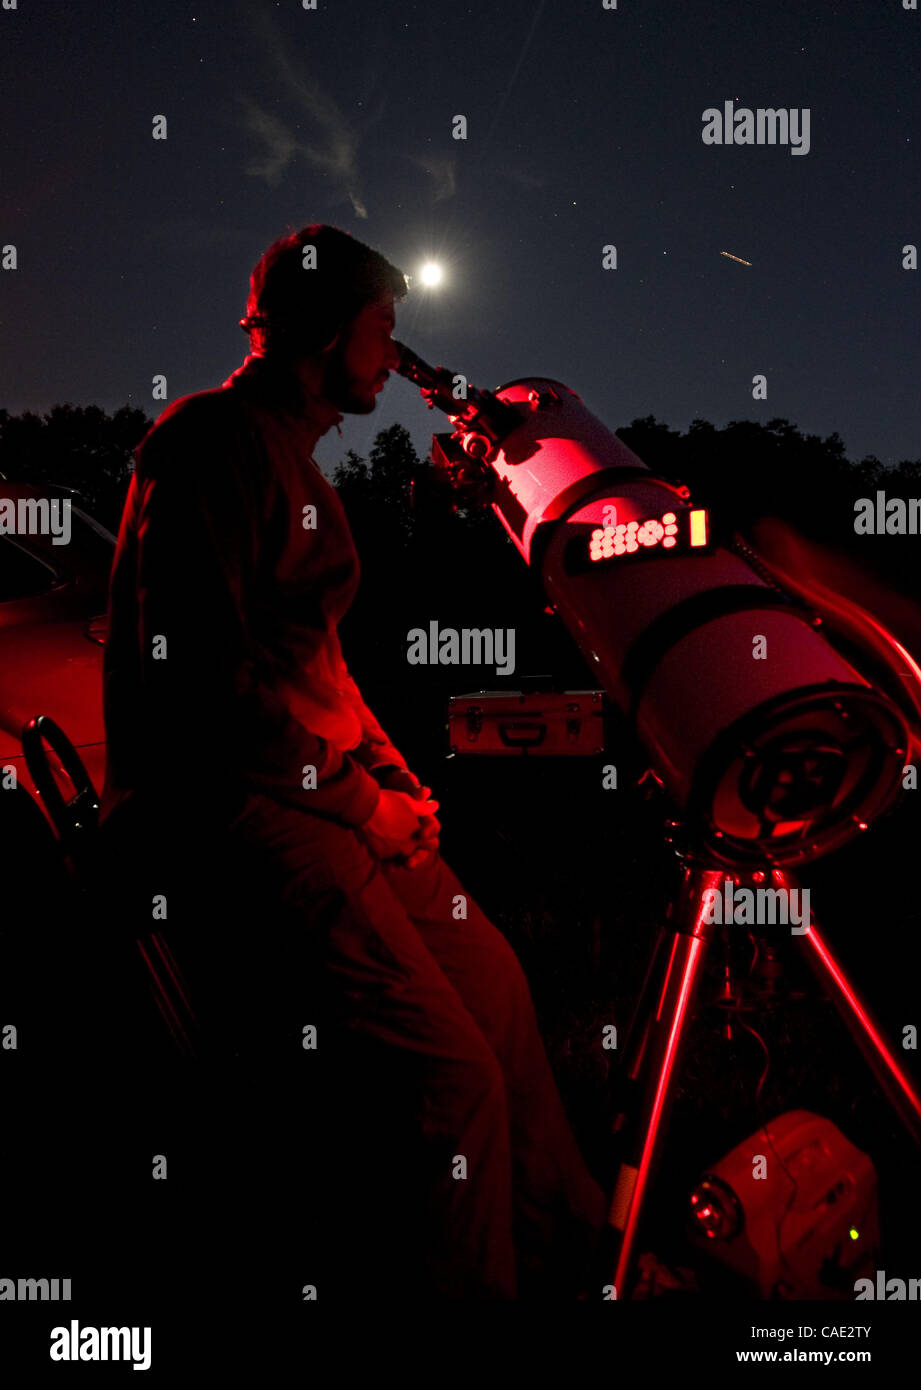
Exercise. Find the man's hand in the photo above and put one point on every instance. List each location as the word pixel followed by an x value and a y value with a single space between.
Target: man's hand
pixel 404 826
pixel 399 779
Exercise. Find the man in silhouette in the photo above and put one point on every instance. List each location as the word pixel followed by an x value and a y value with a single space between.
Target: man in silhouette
pixel 232 718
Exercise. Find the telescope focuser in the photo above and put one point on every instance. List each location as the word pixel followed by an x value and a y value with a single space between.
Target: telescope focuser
pixel 481 421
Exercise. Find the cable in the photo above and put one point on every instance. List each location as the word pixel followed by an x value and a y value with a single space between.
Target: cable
pixel 767 1135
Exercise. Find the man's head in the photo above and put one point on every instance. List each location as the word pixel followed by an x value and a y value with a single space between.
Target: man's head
pixel 321 304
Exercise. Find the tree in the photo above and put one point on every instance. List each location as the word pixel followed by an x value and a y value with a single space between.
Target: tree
pixel 78 447
pixel 377 497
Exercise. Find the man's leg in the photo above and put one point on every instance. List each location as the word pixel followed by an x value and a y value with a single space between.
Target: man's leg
pixel 383 990
pixel 559 1207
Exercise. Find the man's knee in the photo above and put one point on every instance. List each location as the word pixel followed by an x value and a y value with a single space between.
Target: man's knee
pixel 467 1096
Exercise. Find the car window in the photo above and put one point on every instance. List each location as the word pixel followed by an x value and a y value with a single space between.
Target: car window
pixel 21 574
pixel 96 545
pixel 94 526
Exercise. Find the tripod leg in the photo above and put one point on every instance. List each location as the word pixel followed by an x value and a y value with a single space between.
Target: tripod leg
pixel 661 1044
pixel 882 1060
pixel 168 990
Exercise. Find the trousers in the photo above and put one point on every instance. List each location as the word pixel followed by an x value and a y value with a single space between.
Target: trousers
pixel 413 974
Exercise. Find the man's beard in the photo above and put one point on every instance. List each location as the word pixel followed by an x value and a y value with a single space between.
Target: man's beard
pixel 343 391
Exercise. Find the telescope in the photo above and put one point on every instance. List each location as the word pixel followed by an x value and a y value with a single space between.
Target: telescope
pixel 772 743
pixel 766 736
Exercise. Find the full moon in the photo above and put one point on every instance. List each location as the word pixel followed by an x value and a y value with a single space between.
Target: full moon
pixel 430 274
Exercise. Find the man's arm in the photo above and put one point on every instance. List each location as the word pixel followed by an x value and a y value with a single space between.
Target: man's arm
pixel 201 510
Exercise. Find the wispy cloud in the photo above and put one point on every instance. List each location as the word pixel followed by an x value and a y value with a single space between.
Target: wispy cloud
pixel 321 133
pixel 441 171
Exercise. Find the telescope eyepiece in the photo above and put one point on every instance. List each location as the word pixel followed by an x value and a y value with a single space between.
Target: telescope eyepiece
pixel 413 368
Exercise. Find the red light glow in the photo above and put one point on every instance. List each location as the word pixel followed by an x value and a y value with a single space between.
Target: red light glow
pixel 885 1058
pixel 688 970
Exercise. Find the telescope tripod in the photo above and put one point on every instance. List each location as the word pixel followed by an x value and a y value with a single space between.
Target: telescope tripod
pixel 659 1024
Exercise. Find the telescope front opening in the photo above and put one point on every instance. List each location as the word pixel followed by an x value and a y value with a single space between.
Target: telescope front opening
pixel 793 781
pixel 800 777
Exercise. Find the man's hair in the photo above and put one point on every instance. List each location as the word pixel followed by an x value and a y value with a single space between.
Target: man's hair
pixel 293 311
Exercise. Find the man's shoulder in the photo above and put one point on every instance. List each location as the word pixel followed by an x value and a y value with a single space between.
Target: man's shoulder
pixel 212 409
pixel 202 424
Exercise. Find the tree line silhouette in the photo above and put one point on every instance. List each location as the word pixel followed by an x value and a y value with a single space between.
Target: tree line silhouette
pixel 401 519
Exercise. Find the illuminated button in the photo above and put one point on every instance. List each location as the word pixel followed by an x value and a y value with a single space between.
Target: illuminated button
pixel 699 527
pixel 650 533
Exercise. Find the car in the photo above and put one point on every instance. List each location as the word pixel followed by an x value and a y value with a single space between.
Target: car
pixel 53 600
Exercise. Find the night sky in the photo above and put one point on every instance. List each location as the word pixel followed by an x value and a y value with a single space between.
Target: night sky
pixel 584 129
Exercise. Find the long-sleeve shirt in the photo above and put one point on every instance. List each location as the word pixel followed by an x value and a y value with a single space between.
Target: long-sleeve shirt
pixel 223 670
